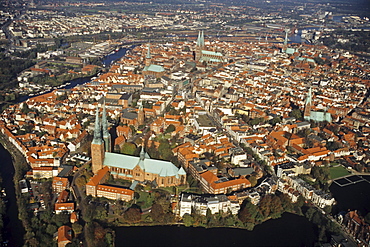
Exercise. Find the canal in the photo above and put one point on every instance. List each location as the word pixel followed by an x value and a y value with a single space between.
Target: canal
pixel 13 230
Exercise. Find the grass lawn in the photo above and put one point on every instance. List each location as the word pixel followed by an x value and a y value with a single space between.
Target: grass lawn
pixel 145 200
pixel 337 172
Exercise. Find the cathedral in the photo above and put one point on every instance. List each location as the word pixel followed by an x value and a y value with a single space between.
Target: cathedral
pixel 143 169
pixel 317 116
pixel 204 56
pixel 151 69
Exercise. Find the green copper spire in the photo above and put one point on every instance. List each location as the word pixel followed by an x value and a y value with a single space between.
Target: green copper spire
pixel 105 123
pixel 198 40
pixel 106 135
pixel 97 131
pixel 148 55
pixel 142 153
pixel 202 39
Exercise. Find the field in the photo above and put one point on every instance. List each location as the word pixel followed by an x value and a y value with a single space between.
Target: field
pixel 338 171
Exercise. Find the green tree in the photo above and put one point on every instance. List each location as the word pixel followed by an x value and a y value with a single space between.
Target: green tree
pixel 61 219
pixel 128 148
pixel 253 180
pixel 77 228
pixel 164 150
pixel 187 219
pixel 170 128
pixel 51 229
pixel 296 113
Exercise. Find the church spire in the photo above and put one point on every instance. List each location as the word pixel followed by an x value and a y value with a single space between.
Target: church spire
pixel 97 131
pixel 202 39
pixel 148 58
pixel 198 40
pixel 308 104
pixel 309 97
pixel 106 135
pixel 148 55
pixel 142 153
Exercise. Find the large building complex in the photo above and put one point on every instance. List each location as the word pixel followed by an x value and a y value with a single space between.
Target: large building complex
pixel 142 169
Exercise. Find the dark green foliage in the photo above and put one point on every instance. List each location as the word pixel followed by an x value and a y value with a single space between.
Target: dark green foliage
pixel 296 113
pixel 9 68
pixel 170 128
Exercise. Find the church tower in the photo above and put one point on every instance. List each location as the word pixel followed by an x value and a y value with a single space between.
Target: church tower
pixel 106 134
pixel 148 58
pixel 308 104
pixel 97 146
pixel 141 116
pixel 200 46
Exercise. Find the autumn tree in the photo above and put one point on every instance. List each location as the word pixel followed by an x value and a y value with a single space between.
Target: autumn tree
pixel 248 213
pixel 133 215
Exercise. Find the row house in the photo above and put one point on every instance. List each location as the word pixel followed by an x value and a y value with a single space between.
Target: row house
pixel 201 203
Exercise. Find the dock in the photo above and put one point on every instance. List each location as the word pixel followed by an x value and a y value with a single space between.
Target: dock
pixel 349 180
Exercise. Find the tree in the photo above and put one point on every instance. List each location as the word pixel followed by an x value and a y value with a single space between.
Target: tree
pixel 128 148
pixel 133 215
pixel 187 219
pixel 275 207
pixel 264 206
pixel 286 203
pixel 309 213
pixel 248 212
pixel 77 228
pixel 51 229
pixel 296 113
pixel 253 180
pixel 99 231
pixel 170 128
pixel 164 149
pixel 157 212
pixel 61 219
pixel 275 120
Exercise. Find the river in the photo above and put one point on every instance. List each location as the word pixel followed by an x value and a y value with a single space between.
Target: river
pixel 107 61
pixel 13 228
pixel 289 230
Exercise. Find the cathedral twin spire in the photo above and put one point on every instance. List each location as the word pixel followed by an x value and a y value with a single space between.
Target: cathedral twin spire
pixel 200 40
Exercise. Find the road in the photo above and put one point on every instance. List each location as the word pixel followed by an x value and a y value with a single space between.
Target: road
pixel 76 191
pixel 8 34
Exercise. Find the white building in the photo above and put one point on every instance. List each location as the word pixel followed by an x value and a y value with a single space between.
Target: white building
pixel 201 203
